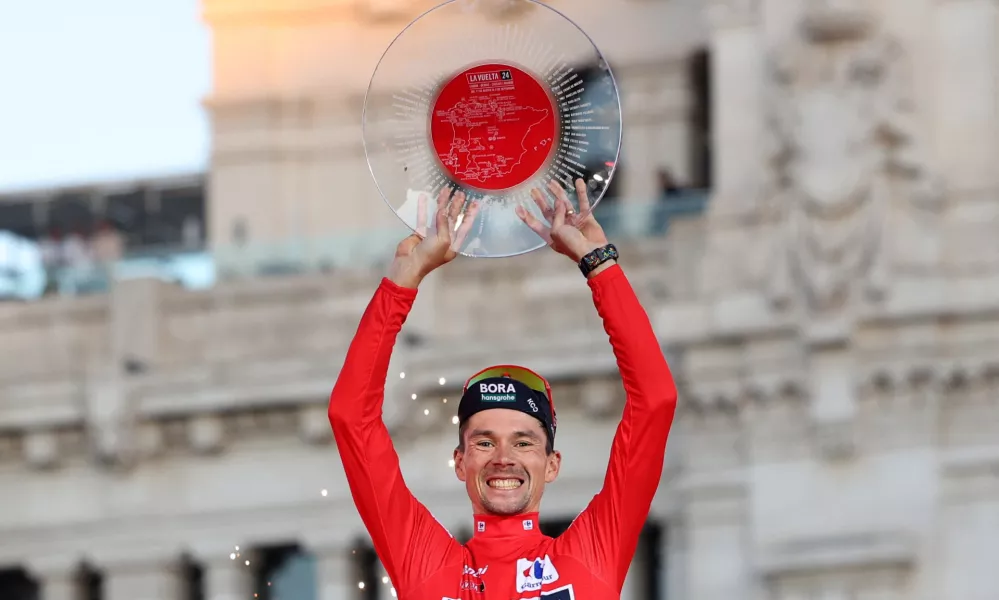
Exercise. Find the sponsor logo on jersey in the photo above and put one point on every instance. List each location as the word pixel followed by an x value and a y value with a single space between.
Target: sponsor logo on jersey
pixel 472 579
pixel 475 572
pixel 532 574
pixel 498 392
pixel 563 593
pixel 528 524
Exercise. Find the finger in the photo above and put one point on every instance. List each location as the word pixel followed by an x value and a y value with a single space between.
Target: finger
pixel 441 222
pixel 406 245
pixel 560 213
pixel 466 226
pixel 443 197
pixel 457 204
pixel 546 208
pixel 421 215
pixel 584 200
pixel 534 223
pixel 562 200
pixel 559 192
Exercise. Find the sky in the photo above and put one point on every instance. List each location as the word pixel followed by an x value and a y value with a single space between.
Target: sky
pixel 101 90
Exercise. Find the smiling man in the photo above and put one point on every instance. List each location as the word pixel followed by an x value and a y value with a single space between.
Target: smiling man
pixel 506 448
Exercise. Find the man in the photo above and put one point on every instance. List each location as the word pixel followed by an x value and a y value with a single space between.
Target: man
pixel 506 454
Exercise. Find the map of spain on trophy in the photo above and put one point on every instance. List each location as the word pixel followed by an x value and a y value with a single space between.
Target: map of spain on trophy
pixel 493 99
pixel 493 126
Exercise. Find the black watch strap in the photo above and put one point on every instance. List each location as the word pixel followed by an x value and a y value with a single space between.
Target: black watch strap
pixel 596 258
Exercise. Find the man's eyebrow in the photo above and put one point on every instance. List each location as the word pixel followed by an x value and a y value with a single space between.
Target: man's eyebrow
pixel 490 433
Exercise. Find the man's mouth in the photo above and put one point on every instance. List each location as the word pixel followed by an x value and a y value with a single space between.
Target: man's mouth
pixel 504 483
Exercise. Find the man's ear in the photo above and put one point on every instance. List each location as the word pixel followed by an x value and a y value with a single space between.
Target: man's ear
pixel 553 466
pixel 459 464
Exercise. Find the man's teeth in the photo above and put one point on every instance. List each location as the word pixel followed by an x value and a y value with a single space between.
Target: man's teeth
pixel 504 484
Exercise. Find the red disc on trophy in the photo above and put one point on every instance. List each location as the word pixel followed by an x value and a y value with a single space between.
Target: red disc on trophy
pixel 493 127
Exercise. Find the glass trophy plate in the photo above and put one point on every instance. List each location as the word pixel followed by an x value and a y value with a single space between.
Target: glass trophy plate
pixel 492 98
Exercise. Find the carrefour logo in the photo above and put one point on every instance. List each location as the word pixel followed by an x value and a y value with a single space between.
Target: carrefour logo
pixel 532 574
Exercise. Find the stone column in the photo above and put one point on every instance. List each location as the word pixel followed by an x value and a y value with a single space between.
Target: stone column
pixel 58 578
pixel 336 571
pixel 719 568
pixel 965 546
pixel 737 75
pixel 225 578
pixel 630 589
pixel 673 550
pixel 142 577
pixel 967 97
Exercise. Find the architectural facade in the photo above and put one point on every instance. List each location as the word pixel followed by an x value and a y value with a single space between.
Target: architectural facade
pixel 832 321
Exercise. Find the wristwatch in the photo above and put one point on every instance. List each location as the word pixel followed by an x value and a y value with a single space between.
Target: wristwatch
pixel 596 258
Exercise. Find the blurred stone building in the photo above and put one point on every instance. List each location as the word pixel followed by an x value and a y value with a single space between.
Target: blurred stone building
pixel 826 289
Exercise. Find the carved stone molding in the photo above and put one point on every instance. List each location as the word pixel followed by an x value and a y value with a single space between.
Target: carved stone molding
pixel 60 566
pixel 206 434
pixel 844 151
pixel 314 424
pixel 41 449
pixel 891 549
pixel 715 499
pixel 724 14
pixel 125 558
pixel 841 568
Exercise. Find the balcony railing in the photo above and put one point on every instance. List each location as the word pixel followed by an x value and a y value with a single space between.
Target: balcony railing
pixel 200 268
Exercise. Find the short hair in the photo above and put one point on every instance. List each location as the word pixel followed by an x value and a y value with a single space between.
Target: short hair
pixel 463 427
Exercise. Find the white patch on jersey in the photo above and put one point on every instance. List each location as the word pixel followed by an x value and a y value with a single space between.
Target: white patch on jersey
pixel 532 574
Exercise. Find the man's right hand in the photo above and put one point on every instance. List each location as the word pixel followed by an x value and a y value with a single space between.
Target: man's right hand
pixel 422 252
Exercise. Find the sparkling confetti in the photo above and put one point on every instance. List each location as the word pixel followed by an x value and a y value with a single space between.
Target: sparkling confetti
pixel 450 463
pixel 360 585
pixel 442 381
pixel 385 579
pixel 454 419
pixel 232 556
pixel 393 592
pixel 324 492
pixel 402 375
pixel 445 400
pixel 247 563
pixel 413 396
pixel 236 548
pixel 426 411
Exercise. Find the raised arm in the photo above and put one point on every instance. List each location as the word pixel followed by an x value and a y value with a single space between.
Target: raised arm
pixel 410 542
pixel 606 533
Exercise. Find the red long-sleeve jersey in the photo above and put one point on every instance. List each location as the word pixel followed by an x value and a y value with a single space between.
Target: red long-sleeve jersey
pixel 507 557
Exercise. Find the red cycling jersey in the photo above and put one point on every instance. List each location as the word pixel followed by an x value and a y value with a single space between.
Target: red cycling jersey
pixel 507 557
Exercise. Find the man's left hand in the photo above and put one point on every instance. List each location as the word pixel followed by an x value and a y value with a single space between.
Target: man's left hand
pixel 570 234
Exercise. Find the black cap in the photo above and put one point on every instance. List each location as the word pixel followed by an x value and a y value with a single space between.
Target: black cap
pixel 504 392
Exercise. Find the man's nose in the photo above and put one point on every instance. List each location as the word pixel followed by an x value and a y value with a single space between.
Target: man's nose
pixel 502 456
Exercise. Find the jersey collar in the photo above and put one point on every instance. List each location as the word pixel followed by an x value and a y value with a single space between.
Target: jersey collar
pixel 491 526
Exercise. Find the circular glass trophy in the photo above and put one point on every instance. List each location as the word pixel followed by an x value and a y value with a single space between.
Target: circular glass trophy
pixel 493 98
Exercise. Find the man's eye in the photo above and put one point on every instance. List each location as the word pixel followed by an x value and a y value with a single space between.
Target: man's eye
pixel 484 443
